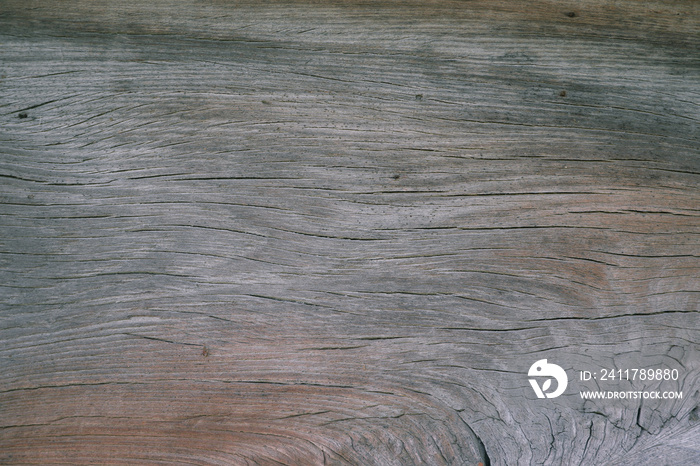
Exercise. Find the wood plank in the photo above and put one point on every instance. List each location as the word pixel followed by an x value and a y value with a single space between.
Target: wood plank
pixel 316 232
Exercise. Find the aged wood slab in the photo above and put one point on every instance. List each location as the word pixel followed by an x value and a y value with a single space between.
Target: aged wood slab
pixel 315 232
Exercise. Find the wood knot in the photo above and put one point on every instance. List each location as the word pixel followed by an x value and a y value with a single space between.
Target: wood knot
pixel 22 115
pixel 571 14
pixel 694 415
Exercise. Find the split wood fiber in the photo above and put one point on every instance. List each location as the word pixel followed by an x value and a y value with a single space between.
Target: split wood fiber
pixel 340 232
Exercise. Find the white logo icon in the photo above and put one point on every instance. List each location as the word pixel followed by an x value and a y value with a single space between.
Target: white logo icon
pixel 542 369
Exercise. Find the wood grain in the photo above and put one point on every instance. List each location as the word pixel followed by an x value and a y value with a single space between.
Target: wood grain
pixel 315 232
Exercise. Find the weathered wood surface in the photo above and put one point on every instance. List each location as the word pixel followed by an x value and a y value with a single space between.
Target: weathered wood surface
pixel 341 232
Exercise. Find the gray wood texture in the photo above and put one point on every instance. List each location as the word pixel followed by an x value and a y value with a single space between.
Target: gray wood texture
pixel 317 232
